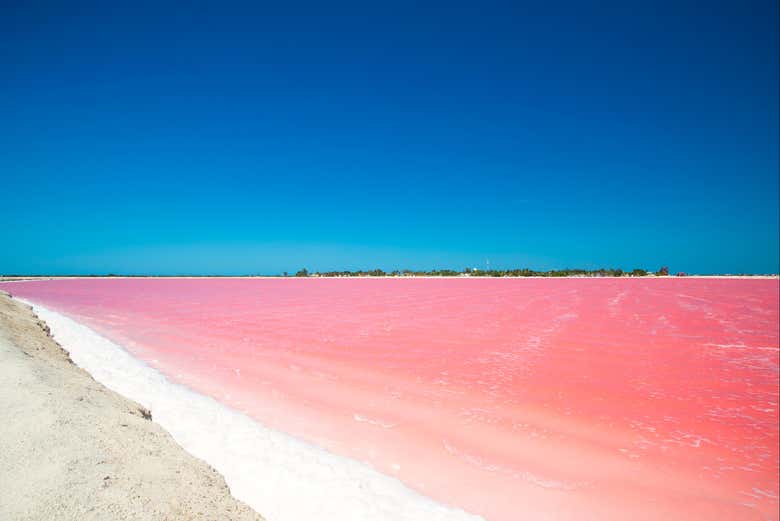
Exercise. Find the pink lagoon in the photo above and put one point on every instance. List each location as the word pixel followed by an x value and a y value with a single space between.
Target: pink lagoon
pixel 592 398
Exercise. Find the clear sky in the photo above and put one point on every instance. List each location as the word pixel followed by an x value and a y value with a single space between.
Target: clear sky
pixel 221 138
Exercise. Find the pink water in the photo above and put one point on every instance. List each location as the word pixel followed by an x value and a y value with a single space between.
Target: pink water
pixel 511 398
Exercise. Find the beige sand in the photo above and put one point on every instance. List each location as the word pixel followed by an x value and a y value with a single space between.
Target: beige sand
pixel 72 449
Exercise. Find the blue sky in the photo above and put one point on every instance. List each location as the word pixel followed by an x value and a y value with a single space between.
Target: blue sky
pixel 231 139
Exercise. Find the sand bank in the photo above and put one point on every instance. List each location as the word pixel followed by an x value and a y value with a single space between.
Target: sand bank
pixel 70 448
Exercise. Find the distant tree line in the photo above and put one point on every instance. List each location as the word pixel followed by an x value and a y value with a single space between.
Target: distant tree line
pixel 466 272
pixel 475 272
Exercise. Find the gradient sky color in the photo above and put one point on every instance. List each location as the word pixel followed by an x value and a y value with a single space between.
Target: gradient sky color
pixel 224 138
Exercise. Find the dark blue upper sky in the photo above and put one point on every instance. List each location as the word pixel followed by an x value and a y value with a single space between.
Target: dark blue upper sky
pixel 230 139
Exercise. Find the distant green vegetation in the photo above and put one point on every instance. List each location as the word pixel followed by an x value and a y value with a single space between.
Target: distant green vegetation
pixel 466 272
pixel 474 272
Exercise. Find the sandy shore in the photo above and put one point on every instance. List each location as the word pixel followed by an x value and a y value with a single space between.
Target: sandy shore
pixel 72 449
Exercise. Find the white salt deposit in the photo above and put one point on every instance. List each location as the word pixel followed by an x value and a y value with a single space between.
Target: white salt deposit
pixel 282 478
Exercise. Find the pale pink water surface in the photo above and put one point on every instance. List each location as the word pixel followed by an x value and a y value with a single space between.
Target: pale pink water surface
pixel 511 398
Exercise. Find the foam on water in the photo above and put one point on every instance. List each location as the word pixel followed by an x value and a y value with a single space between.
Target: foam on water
pixel 279 476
